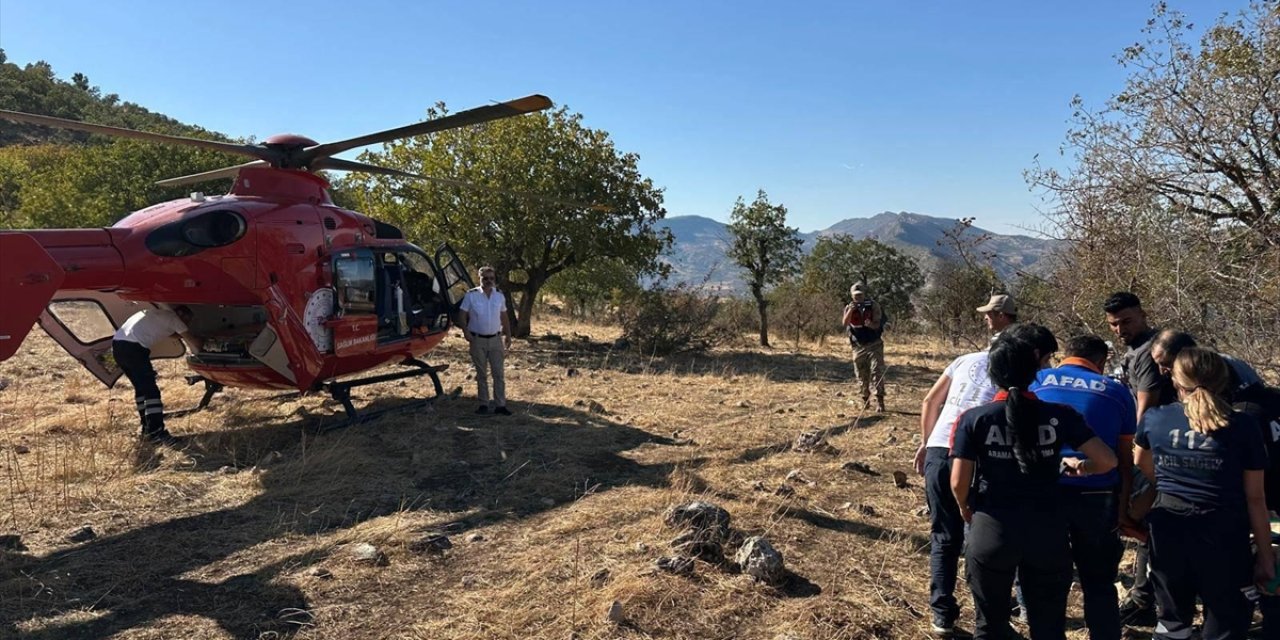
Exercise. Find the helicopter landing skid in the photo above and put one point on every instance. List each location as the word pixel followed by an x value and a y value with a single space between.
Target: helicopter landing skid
pixel 341 391
pixel 210 388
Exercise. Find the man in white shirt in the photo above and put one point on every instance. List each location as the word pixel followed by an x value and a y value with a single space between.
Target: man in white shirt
pixel 131 347
pixel 484 323
pixel 962 386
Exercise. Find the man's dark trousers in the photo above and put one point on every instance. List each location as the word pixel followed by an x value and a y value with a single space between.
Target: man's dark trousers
pixel 135 360
pixel 1096 550
pixel 946 537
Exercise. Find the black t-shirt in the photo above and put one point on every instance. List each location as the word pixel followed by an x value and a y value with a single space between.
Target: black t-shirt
pixel 982 435
pixel 1263 404
pixel 1142 374
pixel 1206 470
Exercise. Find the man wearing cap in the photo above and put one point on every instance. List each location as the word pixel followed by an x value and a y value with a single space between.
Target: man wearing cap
pixel 864 319
pixel 999 312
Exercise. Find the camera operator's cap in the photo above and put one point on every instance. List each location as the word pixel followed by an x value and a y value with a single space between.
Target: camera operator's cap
pixel 1002 303
pixel 858 287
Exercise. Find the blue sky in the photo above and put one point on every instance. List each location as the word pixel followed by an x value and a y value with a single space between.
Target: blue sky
pixel 836 109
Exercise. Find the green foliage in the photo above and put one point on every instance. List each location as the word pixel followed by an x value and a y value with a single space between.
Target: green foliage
pixel 98 185
pixel 839 261
pixel 766 249
pixel 948 306
pixel 553 194
pixel 591 287
pixel 802 313
pixel 56 178
pixel 662 321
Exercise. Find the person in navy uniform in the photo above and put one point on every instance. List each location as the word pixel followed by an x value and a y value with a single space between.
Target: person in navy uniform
pixel 1006 463
pixel 1094 505
pixel 1207 463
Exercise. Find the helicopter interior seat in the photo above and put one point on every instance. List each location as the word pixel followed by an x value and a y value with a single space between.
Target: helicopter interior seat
pixel 422 302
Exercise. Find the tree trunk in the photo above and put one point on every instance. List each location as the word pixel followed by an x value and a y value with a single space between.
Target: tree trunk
pixel 763 306
pixel 522 321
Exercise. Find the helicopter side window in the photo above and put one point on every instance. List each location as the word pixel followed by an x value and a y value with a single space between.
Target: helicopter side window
pixel 203 230
pixel 354 277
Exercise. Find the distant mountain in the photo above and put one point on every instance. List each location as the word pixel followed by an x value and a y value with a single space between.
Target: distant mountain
pixel 698 254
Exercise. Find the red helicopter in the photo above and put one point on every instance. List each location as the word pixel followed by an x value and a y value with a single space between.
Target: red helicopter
pixel 287 290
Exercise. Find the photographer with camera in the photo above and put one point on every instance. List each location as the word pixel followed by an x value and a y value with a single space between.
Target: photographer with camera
pixel 865 322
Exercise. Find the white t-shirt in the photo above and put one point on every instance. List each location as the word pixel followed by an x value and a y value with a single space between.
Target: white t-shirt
pixel 484 313
pixel 150 326
pixel 970 387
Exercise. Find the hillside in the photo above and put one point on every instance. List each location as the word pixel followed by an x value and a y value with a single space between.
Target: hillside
pixel 700 244
pixel 35 88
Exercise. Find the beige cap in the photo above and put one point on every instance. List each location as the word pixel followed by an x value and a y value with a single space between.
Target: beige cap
pixel 857 288
pixel 1002 303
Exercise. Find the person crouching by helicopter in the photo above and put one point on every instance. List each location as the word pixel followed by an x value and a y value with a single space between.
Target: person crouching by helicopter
pixel 1006 463
pixel 484 323
pixel 131 347
pixel 1208 464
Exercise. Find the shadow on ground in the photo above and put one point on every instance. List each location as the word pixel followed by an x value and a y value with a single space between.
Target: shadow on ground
pixel 777 366
pixel 446 461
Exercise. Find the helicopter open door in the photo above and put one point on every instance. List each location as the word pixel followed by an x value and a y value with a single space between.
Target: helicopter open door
pixel 83 323
pixel 454 279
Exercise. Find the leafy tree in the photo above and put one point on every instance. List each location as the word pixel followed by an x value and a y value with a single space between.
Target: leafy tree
pixel 801 313
pixel 552 194
pixel 765 248
pixel 588 288
pixel 1195 129
pixel 1172 188
pixel 955 289
pixel 838 261
pixel 96 186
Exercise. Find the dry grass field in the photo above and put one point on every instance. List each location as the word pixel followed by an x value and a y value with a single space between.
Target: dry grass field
pixel 554 514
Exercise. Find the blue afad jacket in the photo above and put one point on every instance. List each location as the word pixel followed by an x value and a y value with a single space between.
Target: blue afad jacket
pixel 1107 406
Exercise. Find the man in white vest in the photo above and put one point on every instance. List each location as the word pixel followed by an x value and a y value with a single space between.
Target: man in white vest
pixel 484 324
pixel 131 348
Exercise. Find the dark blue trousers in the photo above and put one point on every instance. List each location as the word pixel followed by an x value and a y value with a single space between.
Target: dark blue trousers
pixel 135 360
pixel 1205 555
pixel 946 535
pixel 1032 542
pixel 1096 550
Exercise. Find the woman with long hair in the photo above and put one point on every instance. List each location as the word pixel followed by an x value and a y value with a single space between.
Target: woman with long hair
pixel 1006 463
pixel 1207 463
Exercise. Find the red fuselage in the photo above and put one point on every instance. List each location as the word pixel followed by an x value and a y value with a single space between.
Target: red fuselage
pixel 268 245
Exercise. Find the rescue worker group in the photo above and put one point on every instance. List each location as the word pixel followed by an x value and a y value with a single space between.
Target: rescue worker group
pixel 1035 471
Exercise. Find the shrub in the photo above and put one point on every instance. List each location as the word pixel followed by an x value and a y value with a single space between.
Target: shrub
pixel 662 321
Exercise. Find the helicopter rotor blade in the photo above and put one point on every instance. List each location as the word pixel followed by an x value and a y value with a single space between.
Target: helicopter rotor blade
pixel 252 151
pixel 348 165
pixel 225 172
pixel 487 113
